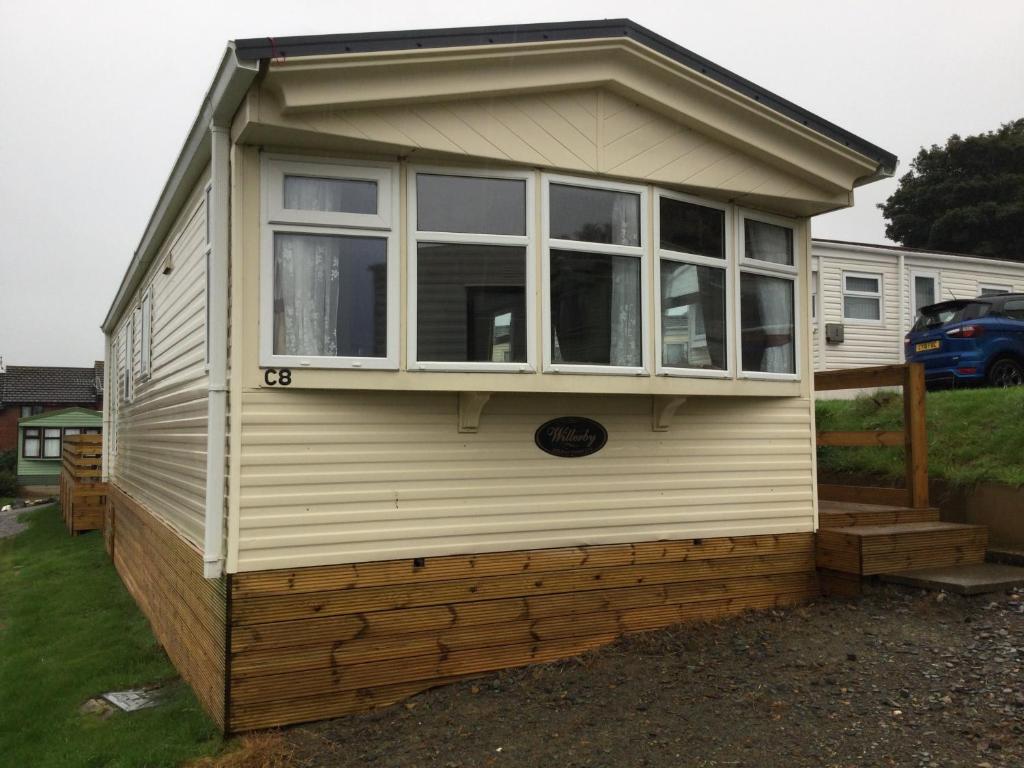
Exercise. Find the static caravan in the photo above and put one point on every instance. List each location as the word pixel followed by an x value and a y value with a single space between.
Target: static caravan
pixel 450 351
pixel 869 296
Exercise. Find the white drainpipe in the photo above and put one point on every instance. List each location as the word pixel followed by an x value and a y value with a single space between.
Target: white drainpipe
pixel 217 296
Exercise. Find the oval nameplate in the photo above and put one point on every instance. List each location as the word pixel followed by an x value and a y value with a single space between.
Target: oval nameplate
pixel 570 437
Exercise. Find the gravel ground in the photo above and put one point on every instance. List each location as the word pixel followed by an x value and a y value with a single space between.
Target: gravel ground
pixel 898 678
pixel 9 523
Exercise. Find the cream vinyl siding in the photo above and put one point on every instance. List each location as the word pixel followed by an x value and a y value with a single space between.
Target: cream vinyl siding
pixel 160 458
pixel 590 130
pixel 962 281
pixel 337 477
pixel 867 342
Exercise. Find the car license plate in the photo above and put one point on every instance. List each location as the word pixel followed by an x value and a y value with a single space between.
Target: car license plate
pixel 927 346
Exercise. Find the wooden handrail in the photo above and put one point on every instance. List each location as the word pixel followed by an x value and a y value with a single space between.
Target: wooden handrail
pixel 913 437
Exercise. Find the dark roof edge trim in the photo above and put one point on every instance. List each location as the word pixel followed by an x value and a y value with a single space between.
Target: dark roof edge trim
pixel 921 251
pixel 318 45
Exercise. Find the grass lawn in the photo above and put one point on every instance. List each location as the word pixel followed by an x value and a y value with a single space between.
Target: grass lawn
pixel 69 631
pixel 974 435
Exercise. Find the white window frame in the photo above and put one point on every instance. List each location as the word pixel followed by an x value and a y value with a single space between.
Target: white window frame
pixel 384 225
pixel 998 288
pixel 928 274
pixel 814 281
pixel 879 296
pixel 323 168
pixel 128 391
pixel 768 269
pixel 416 236
pixel 23 437
pixel 42 443
pixel 146 335
pixel 641 252
pixel 725 264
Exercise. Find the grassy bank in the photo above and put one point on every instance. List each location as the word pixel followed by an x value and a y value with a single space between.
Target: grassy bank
pixel 974 435
pixel 69 631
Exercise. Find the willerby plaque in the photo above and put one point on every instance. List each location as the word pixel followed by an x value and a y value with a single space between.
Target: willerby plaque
pixel 570 437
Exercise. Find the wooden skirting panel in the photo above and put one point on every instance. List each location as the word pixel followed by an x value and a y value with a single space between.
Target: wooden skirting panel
pixel 82 504
pixel 319 642
pixel 164 573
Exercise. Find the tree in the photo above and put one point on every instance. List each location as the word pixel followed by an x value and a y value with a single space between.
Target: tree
pixel 966 197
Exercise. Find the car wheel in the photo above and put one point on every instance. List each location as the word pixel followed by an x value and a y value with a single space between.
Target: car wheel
pixel 1006 373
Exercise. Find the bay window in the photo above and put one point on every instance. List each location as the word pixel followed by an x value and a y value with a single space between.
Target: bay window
pixel 329 276
pixel 715 284
pixel 594 276
pixel 768 311
pixel 692 286
pixel 470 271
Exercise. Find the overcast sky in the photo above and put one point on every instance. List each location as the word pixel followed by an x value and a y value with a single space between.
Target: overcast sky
pixel 96 99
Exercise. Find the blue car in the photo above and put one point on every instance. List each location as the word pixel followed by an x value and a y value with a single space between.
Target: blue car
pixel 968 342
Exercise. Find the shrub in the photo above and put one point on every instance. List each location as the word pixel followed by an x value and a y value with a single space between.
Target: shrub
pixel 8 461
pixel 8 482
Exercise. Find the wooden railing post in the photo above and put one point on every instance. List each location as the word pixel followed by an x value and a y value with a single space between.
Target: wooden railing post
pixel 915 427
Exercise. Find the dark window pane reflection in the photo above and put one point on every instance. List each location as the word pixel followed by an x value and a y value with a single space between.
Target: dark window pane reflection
pixel 594 215
pixel 471 303
pixel 693 323
pixel 595 309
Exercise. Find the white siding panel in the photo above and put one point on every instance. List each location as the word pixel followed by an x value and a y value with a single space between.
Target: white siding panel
pixel 349 477
pixel 865 343
pixel 161 444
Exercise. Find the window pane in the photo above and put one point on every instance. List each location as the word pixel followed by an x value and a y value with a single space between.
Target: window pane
pixel 31 444
pixel 993 291
pixel 861 308
pixel 470 204
pixel 51 443
pixel 330 295
pixel 308 193
pixel 767 324
pixel 595 309
pixel 594 215
pixel 864 284
pixel 72 431
pixel 692 228
pixel 470 303
pixel 26 410
pixel 692 316
pixel 768 242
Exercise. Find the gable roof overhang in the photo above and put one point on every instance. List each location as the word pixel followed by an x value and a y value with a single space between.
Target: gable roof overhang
pixel 328 72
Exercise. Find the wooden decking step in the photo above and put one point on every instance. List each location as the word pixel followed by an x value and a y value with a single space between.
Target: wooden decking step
pixel 977 579
pixel 844 514
pixel 869 550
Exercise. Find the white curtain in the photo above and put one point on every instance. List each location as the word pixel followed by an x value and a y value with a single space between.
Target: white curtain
pixel 768 242
pixel 307 283
pixel 625 312
pixel 775 300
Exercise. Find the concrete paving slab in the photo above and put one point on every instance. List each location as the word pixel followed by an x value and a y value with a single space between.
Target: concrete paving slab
pixel 962 579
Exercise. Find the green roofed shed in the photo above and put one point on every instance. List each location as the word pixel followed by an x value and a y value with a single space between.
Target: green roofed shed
pixel 40 439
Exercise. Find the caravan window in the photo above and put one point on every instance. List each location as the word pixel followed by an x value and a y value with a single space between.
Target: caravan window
pixel 862 297
pixel 595 277
pixel 329 266
pixel 692 286
pixel 768 307
pixel 471 286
